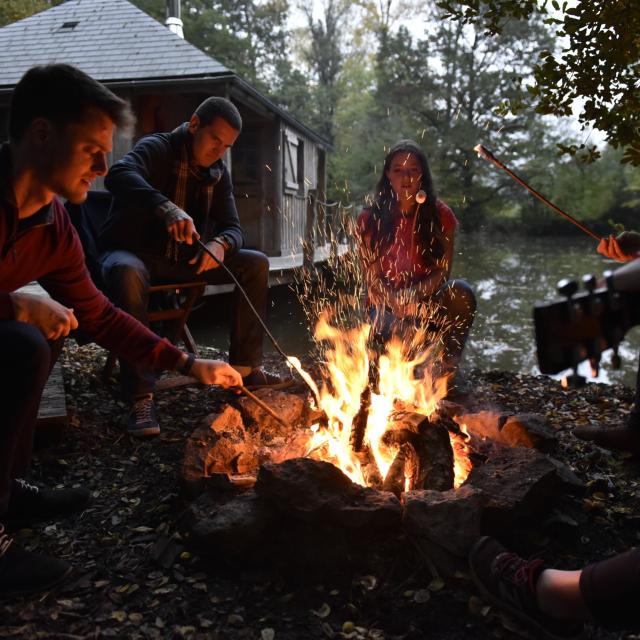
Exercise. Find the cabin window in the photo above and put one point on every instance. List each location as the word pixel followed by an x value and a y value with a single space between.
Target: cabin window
pixel 293 163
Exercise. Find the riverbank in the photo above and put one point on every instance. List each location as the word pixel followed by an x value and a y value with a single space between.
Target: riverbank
pixel 136 578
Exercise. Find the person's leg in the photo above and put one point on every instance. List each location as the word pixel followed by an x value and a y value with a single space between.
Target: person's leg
pixel 559 596
pixel 611 590
pixel 454 305
pixel 251 268
pixel 127 280
pixel 25 361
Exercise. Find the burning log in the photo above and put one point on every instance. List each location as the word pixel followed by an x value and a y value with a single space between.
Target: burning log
pixel 359 422
pixel 432 446
pixel 403 471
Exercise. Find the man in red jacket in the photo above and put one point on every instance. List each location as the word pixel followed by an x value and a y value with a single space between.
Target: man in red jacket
pixel 60 131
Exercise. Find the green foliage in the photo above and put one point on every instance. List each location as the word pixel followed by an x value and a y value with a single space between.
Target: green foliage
pixel 596 61
pixel 13 10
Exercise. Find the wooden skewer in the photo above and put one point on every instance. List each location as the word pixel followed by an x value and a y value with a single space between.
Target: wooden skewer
pixel 483 152
pixel 264 406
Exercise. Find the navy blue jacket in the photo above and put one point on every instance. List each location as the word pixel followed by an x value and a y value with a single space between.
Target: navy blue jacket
pixel 143 179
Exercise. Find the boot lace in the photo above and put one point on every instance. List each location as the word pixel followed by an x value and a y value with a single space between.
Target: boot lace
pixel 517 570
pixel 5 541
pixel 142 409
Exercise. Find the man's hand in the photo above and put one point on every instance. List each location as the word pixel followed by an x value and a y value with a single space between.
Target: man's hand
pixel 52 318
pixel 179 223
pixel 215 372
pixel 204 261
pixel 622 248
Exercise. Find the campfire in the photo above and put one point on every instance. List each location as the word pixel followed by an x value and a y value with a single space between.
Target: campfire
pixel 382 430
pixel 376 455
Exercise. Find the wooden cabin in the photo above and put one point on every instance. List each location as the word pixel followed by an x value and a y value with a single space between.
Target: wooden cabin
pixel 278 164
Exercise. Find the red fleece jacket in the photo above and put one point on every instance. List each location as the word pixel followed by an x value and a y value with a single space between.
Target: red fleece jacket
pixel 46 248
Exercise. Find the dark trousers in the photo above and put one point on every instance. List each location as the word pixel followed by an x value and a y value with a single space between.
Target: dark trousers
pixel 127 278
pixel 452 310
pixel 26 359
pixel 611 590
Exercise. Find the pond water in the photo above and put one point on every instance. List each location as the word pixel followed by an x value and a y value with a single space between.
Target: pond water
pixel 508 274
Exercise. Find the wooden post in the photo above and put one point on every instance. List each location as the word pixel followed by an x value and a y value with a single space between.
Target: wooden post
pixel 308 244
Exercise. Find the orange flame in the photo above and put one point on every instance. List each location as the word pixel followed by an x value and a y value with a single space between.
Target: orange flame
pixel 347 375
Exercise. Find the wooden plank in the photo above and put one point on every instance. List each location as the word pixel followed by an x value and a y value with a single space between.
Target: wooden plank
pixel 53 405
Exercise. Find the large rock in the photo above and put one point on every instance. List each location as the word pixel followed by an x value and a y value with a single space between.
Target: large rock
pixel 230 528
pixel 291 408
pixel 451 519
pixel 219 445
pixel 318 492
pixel 520 430
pixel 519 483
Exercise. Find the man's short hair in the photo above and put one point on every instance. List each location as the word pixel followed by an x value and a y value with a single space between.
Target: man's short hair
pixel 215 107
pixel 62 94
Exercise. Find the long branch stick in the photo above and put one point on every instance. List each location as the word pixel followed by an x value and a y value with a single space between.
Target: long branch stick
pixel 483 152
pixel 263 405
pixel 274 342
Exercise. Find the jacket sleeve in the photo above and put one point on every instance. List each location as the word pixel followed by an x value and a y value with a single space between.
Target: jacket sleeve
pixel 130 179
pixel 223 213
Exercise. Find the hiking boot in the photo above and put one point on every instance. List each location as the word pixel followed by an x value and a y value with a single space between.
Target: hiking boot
pixel 29 505
pixel 23 572
pixel 142 421
pixel 260 379
pixel 509 582
pixel 620 439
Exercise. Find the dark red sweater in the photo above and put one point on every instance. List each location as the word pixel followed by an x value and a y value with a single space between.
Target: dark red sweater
pixel 46 248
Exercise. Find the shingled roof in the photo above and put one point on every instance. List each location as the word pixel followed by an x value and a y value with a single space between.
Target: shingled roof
pixel 110 40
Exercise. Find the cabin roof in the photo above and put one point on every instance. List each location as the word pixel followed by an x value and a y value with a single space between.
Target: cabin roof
pixel 108 39
pixel 118 44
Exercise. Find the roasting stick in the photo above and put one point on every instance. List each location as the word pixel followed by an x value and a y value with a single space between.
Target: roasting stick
pixel 263 405
pixel 274 342
pixel 483 152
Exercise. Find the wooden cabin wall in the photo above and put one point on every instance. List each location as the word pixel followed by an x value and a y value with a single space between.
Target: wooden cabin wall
pixel 302 175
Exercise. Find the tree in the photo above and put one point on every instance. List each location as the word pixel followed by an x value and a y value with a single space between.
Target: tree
pixel 248 36
pixel 597 69
pixel 444 90
pixel 13 10
pixel 324 56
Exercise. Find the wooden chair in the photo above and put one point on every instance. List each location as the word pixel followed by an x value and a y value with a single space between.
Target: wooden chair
pixel 169 304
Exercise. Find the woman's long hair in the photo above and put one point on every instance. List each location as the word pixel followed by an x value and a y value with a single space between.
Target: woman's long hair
pixel 428 225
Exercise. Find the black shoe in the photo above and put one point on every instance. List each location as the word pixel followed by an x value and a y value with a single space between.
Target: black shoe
pixel 23 572
pixel 260 379
pixel 142 421
pixel 29 505
pixel 509 582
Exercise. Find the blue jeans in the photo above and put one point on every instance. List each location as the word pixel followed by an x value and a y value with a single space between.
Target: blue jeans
pixel 453 308
pixel 127 277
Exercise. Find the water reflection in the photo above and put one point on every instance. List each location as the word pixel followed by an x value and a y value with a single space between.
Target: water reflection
pixel 509 275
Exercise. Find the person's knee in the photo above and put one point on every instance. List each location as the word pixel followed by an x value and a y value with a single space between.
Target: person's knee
pixel 128 283
pixel 462 299
pixel 254 265
pixel 32 352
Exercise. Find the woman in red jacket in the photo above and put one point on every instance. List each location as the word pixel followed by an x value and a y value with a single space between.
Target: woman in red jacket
pixel 406 244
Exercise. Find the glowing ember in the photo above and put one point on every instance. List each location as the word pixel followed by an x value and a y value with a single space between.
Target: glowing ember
pixel 347 375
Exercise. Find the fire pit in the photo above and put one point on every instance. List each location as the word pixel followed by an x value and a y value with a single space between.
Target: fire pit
pixel 374 461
